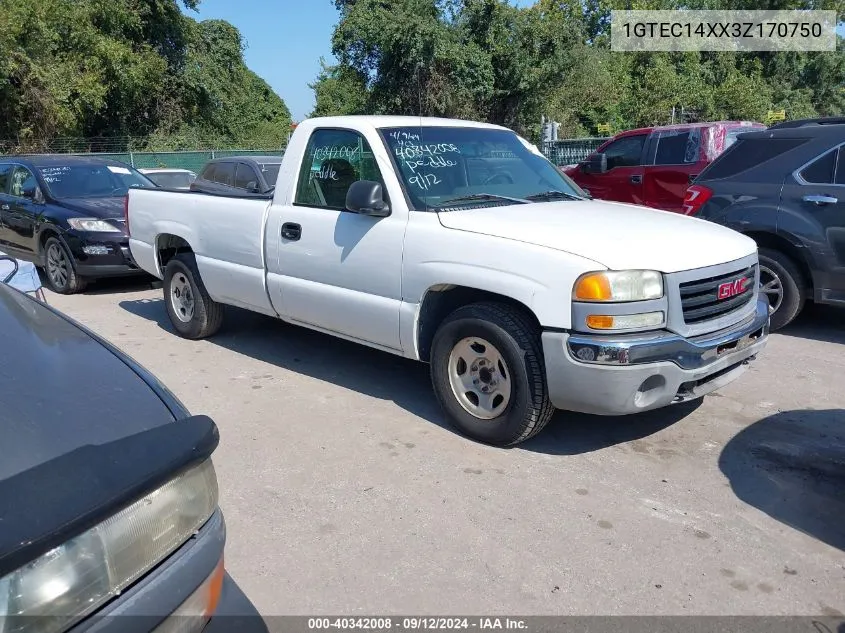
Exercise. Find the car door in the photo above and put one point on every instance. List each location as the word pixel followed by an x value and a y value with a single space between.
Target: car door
pixel 674 157
pixel 5 204
pixel 818 190
pixel 337 270
pixel 623 179
pixel 23 212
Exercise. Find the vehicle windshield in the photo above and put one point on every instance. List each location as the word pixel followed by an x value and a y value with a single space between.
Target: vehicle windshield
pixel 172 179
pixel 270 171
pixel 445 167
pixel 94 180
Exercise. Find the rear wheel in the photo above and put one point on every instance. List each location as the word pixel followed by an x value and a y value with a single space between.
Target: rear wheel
pixel 488 374
pixel 784 285
pixel 59 268
pixel 192 312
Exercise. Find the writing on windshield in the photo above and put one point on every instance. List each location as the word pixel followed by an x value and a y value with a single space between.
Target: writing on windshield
pixel 439 164
pixel 91 181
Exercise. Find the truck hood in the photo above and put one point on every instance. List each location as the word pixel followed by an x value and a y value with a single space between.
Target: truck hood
pixel 618 236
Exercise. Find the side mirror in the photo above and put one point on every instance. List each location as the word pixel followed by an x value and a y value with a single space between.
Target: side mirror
pixel 595 164
pixel 33 193
pixel 367 198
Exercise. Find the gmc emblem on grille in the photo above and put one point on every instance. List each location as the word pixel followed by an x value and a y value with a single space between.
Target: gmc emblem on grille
pixel 732 288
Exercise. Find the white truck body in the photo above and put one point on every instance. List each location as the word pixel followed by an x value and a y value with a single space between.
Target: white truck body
pixel 369 278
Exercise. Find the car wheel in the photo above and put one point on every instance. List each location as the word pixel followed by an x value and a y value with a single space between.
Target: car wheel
pixel 192 312
pixel 784 285
pixel 488 374
pixel 59 268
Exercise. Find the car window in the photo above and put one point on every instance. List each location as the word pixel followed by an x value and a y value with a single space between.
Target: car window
pixel 677 147
pixel 5 170
pixel 840 166
pixel 224 174
pixel 208 172
pixel 245 177
pixel 334 159
pixel 820 171
pixel 22 180
pixel 270 171
pixel 625 152
pixel 746 154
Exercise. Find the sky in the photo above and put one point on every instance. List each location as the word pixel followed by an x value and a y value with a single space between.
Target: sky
pixel 285 40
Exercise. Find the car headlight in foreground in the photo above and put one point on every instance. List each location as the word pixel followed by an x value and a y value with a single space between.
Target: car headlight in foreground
pixel 77 578
pixel 94 225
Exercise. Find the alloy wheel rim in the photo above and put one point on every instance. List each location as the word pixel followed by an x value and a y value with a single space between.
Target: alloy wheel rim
pixel 480 378
pixel 57 266
pixel 771 286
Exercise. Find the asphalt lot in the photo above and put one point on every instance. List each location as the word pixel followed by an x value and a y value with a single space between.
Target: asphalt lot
pixel 345 494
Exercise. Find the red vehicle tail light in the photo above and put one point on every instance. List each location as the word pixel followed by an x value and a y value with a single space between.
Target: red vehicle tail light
pixel 696 197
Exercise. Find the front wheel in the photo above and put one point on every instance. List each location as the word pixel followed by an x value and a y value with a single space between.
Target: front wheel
pixel 782 282
pixel 59 268
pixel 488 374
pixel 192 312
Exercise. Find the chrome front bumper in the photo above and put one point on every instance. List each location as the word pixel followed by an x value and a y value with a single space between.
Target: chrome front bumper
pixel 622 374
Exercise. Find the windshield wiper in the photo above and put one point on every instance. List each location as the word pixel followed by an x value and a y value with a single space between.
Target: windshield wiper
pixel 553 195
pixel 481 197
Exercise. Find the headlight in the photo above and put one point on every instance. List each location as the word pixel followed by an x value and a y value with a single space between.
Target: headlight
pixel 619 285
pixel 93 225
pixel 75 579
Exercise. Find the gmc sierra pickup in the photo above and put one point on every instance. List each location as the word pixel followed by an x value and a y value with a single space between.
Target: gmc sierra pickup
pixel 458 244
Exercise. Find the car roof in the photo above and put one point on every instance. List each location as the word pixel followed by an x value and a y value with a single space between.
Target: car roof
pixel 164 170
pixel 834 133
pixel 248 159
pixel 49 160
pixel 688 126
pixel 821 121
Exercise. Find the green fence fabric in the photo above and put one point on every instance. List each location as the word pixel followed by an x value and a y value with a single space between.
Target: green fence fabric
pixel 182 160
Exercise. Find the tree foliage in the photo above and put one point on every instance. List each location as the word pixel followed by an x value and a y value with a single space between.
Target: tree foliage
pixel 99 68
pixel 490 60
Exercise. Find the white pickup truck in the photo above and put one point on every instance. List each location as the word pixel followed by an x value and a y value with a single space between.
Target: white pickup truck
pixel 458 244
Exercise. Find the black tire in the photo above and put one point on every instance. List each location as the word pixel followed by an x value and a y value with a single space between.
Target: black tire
pixel 780 269
pixel 517 340
pixel 206 315
pixel 60 268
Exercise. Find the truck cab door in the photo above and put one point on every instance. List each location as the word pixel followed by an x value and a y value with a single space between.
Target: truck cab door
pixel 674 159
pixel 623 180
pixel 816 191
pixel 338 271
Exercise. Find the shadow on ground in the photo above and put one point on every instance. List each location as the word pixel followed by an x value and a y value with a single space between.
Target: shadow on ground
pixel 791 465
pixel 112 285
pixel 405 382
pixel 819 323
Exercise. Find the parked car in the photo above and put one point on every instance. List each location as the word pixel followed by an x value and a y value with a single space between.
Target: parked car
pixel 108 494
pixel 784 188
pixel 21 275
pixel 251 174
pixel 458 244
pixel 65 214
pixel 654 166
pixel 170 177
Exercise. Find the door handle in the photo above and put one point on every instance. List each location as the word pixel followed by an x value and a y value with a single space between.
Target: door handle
pixel 291 231
pixel 820 200
pixel 636 180
pixel 4 207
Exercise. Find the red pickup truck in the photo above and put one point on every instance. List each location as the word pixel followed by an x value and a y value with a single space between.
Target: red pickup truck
pixel 653 166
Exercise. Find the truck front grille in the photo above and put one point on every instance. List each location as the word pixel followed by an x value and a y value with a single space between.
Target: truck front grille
pixel 713 297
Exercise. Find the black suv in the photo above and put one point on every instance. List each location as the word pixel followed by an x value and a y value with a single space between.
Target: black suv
pixel 784 187
pixel 236 174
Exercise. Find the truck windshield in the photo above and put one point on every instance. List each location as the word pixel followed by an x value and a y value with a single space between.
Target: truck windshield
pixel 92 181
pixel 457 167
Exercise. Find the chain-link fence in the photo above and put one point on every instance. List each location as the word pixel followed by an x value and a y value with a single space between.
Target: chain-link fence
pixel 571 150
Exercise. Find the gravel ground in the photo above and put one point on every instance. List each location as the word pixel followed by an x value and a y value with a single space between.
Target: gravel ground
pixel 345 493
